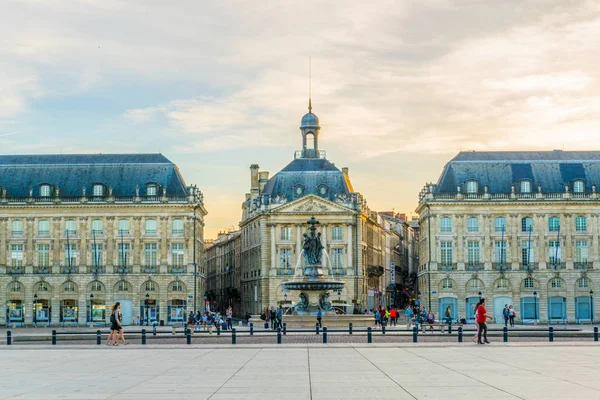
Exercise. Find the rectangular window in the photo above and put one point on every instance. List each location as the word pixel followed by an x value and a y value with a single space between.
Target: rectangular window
pixel 177 227
pixel 336 233
pixel 150 227
pixel 337 258
pixel 581 224
pixel 526 224
pixel 500 253
pixel 554 252
pixel 445 224
pixel 446 253
pixel 286 233
pixel 97 254
pixel 17 228
pixel 43 228
pixel 527 252
pixel 285 258
pixel 70 255
pixel 150 254
pixel 473 224
pixel 43 255
pixel 123 227
pixel 473 252
pixel 177 253
pixel 71 227
pixel 123 260
pixel 500 224
pixel 16 255
pixel 581 251
pixel 98 227
pixel 554 224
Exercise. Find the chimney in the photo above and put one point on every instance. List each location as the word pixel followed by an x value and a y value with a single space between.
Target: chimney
pixel 263 177
pixel 254 187
pixel 345 170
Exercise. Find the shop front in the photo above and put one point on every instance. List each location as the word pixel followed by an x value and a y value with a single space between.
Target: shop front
pixel 69 312
pixel 15 312
pixel 176 311
pixel 149 309
pixel 41 312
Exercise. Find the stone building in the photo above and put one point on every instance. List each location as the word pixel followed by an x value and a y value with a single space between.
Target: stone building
pixel 274 216
pixel 80 232
pixel 518 228
pixel 223 273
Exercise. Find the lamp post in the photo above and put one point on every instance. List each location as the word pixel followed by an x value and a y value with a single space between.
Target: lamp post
pixel 91 309
pixel 205 298
pixel 480 294
pixel 592 306
pixel 146 310
pixel 35 309
pixel 195 261
pixel 535 308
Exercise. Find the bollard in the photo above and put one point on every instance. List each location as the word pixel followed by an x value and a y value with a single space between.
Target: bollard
pixel 285 328
pixel 251 328
pixel 460 333
pixel 551 334
pixel 218 330
pixel 53 336
pixel 9 337
pixel 324 334
pixel 233 336
pixel 595 334
pixel 317 327
pixel 98 337
pixel 154 330
pixel 450 328
pixel 383 329
pixel 278 335
pixel 350 328
pixel 188 336
pixel 369 335
pixel 143 336
pixel 505 334
pixel 415 333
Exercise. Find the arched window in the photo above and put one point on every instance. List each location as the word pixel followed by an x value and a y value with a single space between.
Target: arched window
pixel 474 284
pixel 177 286
pixel 502 284
pixel 42 287
pixel 578 186
pixel 96 286
pixel 556 283
pixel 122 286
pixel 528 283
pixel 69 286
pixel 150 286
pixel 45 190
pixel 525 186
pixel 447 283
pixel 98 190
pixel 472 187
pixel 15 286
pixel 583 283
pixel 151 189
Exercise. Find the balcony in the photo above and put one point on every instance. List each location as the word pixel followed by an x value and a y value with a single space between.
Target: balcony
pixel 529 267
pixel 338 271
pixel 555 265
pixel 122 270
pixel 65 269
pixel 285 271
pixel 447 267
pixel 178 269
pixel 15 270
pixel 41 270
pixel 375 270
pixel 150 269
pixel 96 270
pixel 502 267
pixel 583 265
pixel 473 267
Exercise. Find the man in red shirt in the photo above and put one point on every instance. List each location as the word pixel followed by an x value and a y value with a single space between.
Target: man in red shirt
pixel 393 316
pixel 481 318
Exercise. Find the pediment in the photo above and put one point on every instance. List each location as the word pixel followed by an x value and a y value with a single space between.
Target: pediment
pixel 311 205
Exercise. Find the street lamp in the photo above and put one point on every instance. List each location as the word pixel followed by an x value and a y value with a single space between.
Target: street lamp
pixel 35 310
pixel 91 307
pixel 480 294
pixel 592 306
pixel 146 310
pixel 535 308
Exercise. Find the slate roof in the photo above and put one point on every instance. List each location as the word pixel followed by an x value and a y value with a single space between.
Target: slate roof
pixel 498 170
pixel 71 172
pixel 310 173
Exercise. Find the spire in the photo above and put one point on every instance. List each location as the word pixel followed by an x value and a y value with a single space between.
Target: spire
pixel 309 86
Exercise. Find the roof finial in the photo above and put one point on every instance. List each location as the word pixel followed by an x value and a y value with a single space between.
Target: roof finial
pixel 309 85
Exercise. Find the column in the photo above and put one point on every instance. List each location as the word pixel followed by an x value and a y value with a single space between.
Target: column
pixel 109 244
pixel 85 253
pixel 3 253
pixel 568 235
pixel 83 301
pixel 164 232
pixel 460 242
pixel 54 302
pixel 350 264
pixel 515 248
pixel 487 241
pixel 298 265
pixel 135 244
pixel 28 250
pixel 56 244
pixel 273 247
pixel 594 245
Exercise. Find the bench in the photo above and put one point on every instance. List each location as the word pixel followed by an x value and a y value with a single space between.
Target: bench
pixel 441 326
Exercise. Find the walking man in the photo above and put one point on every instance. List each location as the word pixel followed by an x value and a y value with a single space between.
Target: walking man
pixel 506 314
pixel 279 316
pixel 482 316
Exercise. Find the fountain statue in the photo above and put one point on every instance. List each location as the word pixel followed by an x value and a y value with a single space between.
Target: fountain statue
pixel 314 287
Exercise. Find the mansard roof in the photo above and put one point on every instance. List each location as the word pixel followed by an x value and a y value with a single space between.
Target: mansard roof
pixel 499 170
pixel 71 172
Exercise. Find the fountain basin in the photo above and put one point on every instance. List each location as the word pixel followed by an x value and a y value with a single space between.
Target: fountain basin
pixel 313 285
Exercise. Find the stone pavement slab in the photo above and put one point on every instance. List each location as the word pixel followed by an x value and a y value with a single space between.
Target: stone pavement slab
pixel 302 372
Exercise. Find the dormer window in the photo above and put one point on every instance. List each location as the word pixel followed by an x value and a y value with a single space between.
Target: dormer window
pixel 578 186
pixel 525 187
pixel 98 190
pixel 298 191
pixel 151 189
pixel 472 187
pixel 45 190
pixel 323 189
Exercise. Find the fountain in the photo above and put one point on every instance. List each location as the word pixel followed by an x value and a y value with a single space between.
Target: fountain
pixel 314 287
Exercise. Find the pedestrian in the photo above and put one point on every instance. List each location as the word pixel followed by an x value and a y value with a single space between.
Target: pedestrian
pixel 511 316
pixel 481 318
pixel 430 320
pixel 114 327
pixel 448 315
pixel 393 315
pixel 121 330
pixel 506 315
pixel 377 317
pixel 279 316
pixel 229 314
pixel 408 313
pixel 475 318
pixel 319 317
pixel 273 318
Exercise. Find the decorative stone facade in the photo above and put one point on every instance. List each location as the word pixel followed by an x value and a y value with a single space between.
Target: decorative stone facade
pixel 61 258
pixel 517 228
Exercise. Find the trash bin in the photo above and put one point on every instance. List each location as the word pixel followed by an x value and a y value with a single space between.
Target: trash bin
pixel 162 322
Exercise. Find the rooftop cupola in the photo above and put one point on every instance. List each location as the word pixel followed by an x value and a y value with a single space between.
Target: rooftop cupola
pixel 310 134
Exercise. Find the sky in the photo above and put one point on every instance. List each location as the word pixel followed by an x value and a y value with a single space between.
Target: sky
pixel 400 87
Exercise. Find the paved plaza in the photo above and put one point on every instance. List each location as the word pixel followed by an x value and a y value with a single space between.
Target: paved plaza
pixel 423 371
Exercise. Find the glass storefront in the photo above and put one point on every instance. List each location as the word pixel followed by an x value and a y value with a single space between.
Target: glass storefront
pixel 14 312
pixel 149 310
pixel 68 311
pixel 96 311
pixel 41 311
pixel 176 310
